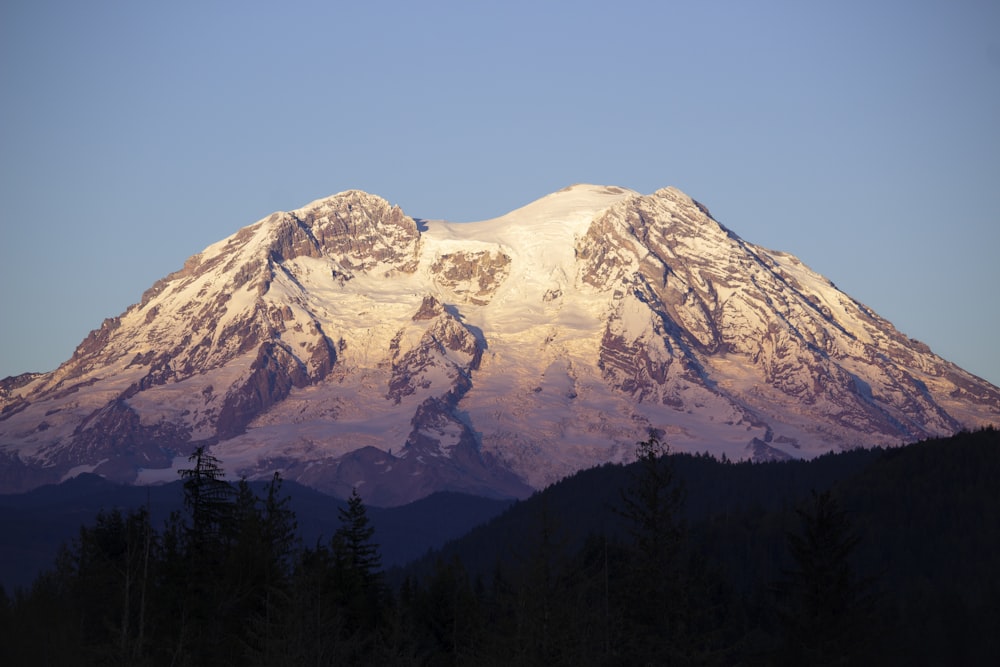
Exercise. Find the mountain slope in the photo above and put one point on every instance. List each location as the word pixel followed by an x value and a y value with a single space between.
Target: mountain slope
pixel 348 344
pixel 35 524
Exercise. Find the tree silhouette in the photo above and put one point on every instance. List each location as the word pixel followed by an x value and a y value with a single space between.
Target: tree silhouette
pixel 206 538
pixel 353 539
pixel 207 498
pixel 357 579
pixel 824 607
pixel 658 608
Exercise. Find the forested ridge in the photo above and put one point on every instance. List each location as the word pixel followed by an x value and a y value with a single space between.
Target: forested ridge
pixel 864 557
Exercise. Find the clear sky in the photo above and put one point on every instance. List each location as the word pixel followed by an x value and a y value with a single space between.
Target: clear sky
pixel 863 137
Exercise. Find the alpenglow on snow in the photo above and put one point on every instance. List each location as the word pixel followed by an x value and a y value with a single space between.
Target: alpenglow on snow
pixel 347 344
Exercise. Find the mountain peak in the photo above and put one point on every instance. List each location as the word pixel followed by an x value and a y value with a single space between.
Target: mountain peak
pixel 361 225
pixel 345 200
pixel 489 357
pixel 673 194
pixel 576 203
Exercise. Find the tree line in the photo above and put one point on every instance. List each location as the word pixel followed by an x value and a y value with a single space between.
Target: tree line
pixel 752 577
pixel 224 582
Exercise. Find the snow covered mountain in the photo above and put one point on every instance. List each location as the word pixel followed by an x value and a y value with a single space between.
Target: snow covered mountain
pixel 348 344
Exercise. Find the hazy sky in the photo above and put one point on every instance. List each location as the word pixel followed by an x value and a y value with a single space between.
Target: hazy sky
pixel 863 137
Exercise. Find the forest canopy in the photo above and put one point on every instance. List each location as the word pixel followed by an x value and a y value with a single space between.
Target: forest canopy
pixel 675 559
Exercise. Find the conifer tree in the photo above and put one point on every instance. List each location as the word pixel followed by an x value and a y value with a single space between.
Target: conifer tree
pixel 207 498
pixel 824 607
pixel 267 547
pixel 206 540
pixel 354 540
pixel 543 623
pixel 657 599
pixel 445 611
pixel 106 573
pixel 357 575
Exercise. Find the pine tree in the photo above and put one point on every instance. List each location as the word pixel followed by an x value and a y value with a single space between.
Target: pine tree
pixel 280 529
pixel 267 541
pixel 357 577
pixel 651 504
pixel 354 540
pixel 446 613
pixel 317 629
pixel 208 500
pixel 824 607
pixel 106 574
pixel 657 596
pixel 544 580
pixel 207 537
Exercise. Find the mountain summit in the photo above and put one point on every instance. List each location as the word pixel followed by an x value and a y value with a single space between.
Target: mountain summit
pixel 350 345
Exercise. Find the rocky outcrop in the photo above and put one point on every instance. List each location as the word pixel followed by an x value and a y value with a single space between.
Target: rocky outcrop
pixel 115 439
pixel 272 376
pixel 358 230
pixel 446 350
pixel 347 345
pixel 473 276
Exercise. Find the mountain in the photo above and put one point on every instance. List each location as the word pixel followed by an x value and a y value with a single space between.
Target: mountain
pixel 348 344
pixel 33 525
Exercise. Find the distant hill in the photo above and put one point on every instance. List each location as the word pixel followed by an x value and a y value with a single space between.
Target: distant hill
pixel 34 524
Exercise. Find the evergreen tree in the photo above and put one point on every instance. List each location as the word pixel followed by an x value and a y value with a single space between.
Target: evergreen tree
pixel 105 574
pixel 206 538
pixel 316 633
pixel 668 596
pixel 656 600
pixel 208 500
pixel 597 601
pixel 266 547
pixel 544 581
pixel 825 609
pixel 445 613
pixel 280 529
pixel 357 578
pixel 650 504
pixel 43 626
pixel 354 540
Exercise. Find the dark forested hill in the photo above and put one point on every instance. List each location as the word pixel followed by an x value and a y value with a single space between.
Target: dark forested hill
pixel 926 517
pixel 586 503
pixel 864 557
pixel 34 524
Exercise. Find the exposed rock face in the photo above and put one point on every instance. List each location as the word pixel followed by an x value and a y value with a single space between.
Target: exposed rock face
pixel 348 346
pixel 472 275
pixel 445 347
pixel 116 437
pixel 272 376
pixel 359 231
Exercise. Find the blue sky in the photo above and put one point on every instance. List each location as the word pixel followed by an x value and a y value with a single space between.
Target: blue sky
pixel 863 137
